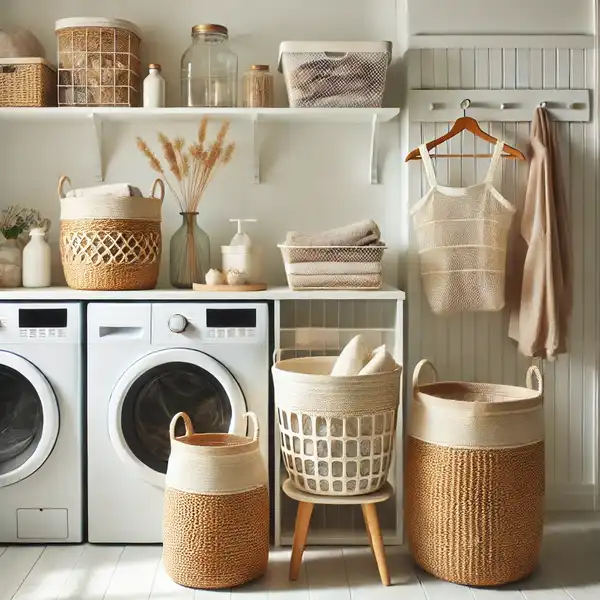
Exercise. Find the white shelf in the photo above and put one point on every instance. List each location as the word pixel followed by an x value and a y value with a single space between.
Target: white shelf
pixel 273 293
pixel 266 115
pixel 96 116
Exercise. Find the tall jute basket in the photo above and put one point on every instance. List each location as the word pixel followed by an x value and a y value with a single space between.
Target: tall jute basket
pixel 111 243
pixel 216 513
pixel 475 479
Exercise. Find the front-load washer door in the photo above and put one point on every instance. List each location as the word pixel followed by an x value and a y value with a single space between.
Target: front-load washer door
pixel 29 418
pixel 157 387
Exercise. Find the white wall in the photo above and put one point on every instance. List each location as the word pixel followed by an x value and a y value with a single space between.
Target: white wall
pixel 500 16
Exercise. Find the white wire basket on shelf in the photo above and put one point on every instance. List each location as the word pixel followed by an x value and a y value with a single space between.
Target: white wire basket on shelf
pixel 326 267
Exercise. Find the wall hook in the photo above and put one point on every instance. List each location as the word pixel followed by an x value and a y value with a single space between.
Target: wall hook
pixel 543 104
pixel 466 103
pixel 502 106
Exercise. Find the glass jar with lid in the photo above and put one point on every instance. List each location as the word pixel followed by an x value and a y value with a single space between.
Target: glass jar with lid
pixel 258 87
pixel 209 69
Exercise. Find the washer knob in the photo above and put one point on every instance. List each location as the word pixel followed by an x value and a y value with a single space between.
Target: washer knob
pixel 177 323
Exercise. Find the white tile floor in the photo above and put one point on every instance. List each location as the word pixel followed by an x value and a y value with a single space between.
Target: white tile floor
pixel 570 570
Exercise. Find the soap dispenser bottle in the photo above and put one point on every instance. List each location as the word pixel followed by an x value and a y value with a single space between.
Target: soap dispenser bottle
pixel 241 254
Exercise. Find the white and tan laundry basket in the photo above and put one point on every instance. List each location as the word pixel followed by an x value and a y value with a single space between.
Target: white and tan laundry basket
pixel 337 433
pixel 474 479
pixel 216 511
pixel 111 243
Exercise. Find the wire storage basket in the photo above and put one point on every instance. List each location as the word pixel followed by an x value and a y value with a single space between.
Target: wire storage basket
pixel 325 267
pixel 111 243
pixel 98 62
pixel 216 509
pixel 337 433
pixel 474 479
pixel 27 82
pixel 335 74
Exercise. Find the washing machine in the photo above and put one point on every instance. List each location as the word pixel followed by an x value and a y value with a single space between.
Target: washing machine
pixel 41 423
pixel 147 362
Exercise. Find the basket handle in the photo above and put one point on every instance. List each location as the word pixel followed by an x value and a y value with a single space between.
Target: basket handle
pixel 61 183
pixel 189 427
pixel 533 370
pixel 252 417
pixel 276 356
pixel 161 185
pixel 417 372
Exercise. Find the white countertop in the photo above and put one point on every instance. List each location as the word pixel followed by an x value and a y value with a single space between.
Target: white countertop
pixel 272 293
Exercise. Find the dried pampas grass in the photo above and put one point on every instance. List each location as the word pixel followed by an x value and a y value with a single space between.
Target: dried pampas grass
pixel 191 170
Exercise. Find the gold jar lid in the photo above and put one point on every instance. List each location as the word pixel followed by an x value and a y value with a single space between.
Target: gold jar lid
pixel 259 68
pixel 155 66
pixel 210 28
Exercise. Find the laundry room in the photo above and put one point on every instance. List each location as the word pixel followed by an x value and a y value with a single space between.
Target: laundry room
pixel 299 299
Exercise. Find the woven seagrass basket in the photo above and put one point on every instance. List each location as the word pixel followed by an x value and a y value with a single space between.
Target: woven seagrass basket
pixel 111 243
pixel 27 82
pixel 337 433
pixel 216 511
pixel 475 479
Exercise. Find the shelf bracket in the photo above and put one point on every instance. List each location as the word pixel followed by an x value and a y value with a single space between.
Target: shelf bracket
pixel 96 123
pixel 373 163
pixel 256 145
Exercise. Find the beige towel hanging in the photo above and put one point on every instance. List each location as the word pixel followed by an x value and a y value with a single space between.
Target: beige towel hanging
pixel 541 303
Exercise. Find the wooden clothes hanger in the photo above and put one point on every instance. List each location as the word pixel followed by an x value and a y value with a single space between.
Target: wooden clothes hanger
pixel 465 123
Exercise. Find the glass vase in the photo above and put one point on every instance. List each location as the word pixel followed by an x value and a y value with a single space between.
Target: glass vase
pixel 190 253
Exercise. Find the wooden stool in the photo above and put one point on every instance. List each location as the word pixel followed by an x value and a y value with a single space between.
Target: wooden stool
pixel 306 504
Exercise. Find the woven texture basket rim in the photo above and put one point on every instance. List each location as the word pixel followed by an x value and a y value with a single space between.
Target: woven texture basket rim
pixel 508 395
pixel 285 246
pixel 218 443
pixel 326 363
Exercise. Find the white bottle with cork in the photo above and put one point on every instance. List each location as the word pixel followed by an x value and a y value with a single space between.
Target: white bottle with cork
pixel 154 88
pixel 37 260
pixel 241 254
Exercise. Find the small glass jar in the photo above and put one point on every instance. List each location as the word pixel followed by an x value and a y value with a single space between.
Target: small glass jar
pixel 258 87
pixel 209 69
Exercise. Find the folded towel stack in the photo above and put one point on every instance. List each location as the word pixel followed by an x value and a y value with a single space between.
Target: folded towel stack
pixel 118 190
pixel 348 257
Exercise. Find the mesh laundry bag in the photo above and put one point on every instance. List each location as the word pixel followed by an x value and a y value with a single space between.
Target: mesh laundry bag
pixel 462 235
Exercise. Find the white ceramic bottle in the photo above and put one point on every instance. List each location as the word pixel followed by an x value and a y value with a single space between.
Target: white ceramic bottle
pixel 154 88
pixel 36 260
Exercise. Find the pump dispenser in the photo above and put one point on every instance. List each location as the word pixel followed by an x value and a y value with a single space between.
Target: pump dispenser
pixel 242 255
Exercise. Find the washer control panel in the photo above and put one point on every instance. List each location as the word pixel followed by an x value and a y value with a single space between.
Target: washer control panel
pixel 23 323
pixel 210 322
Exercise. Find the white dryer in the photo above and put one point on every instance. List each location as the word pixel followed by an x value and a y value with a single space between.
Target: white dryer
pixel 146 362
pixel 41 423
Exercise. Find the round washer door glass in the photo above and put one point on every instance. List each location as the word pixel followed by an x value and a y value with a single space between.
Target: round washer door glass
pixel 28 418
pixel 157 387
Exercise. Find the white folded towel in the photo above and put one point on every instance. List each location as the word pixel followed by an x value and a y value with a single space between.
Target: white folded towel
pixel 118 190
pixel 363 233
pixel 352 358
pixel 381 362
pixel 333 268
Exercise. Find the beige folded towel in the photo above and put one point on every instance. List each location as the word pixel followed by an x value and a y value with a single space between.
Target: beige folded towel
pixel 333 268
pixel 363 233
pixel 119 190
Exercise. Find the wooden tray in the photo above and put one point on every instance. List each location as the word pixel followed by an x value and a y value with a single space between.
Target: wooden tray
pixel 247 287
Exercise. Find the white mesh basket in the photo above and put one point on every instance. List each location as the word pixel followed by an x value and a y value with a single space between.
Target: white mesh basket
pixel 337 433
pixel 325 267
pixel 335 74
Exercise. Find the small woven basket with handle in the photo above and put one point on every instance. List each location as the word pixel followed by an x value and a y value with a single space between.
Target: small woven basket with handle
pixel 111 243
pixel 475 479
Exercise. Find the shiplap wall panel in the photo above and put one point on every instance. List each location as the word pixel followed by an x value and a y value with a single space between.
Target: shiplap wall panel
pixel 476 346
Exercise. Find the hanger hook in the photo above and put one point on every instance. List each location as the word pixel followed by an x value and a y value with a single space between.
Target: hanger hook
pixel 466 103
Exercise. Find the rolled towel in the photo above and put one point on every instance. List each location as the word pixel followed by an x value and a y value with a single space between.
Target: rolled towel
pixel 363 233
pixel 119 190
pixel 381 362
pixel 352 358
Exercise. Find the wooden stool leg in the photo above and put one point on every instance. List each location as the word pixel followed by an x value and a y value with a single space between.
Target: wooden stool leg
pixel 303 515
pixel 372 524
